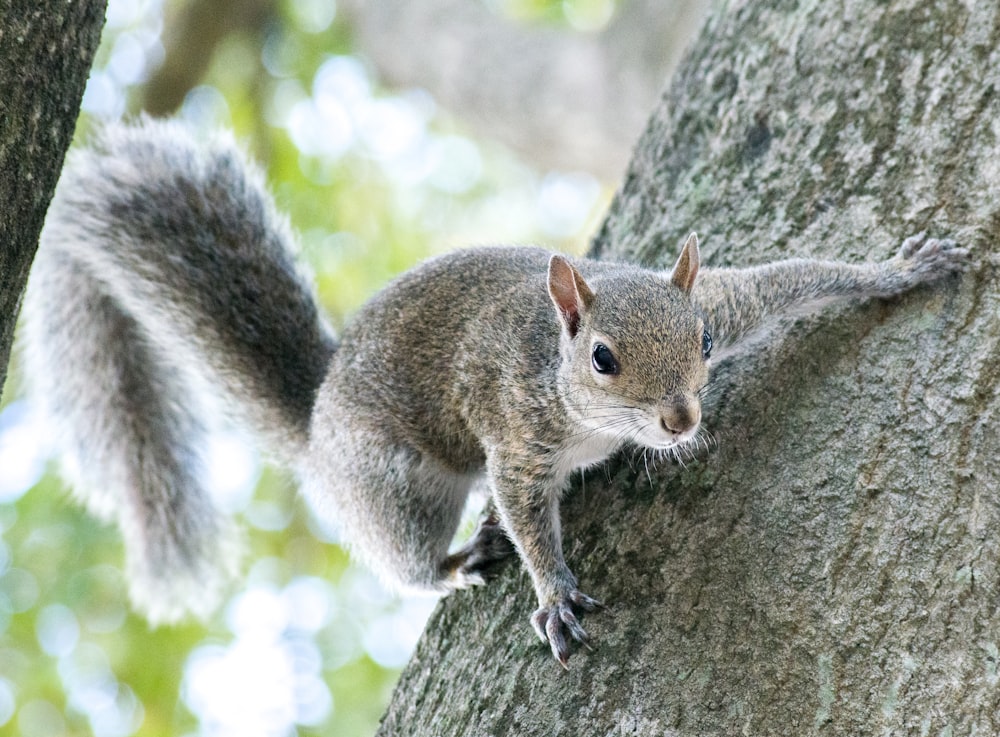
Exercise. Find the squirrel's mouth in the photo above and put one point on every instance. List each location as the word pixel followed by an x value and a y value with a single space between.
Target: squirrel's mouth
pixel 670 445
pixel 659 437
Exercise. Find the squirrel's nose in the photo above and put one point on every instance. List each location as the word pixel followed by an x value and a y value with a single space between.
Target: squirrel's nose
pixel 680 417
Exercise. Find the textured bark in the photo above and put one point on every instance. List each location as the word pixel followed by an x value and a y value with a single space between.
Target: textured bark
pixel 45 53
pixel 830 567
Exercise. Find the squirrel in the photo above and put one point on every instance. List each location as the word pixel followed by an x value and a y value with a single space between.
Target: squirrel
pixel 165 274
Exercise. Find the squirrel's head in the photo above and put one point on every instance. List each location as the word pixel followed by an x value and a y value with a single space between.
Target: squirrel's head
pixel 634 350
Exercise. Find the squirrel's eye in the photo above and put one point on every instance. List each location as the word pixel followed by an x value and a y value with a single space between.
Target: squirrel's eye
pixel 604 360
pixel 706 344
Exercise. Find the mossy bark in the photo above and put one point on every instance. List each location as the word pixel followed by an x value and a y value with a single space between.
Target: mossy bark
pixel 830 566
pixel 46 49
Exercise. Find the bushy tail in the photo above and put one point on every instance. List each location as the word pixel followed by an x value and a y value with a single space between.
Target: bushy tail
pixel 165 275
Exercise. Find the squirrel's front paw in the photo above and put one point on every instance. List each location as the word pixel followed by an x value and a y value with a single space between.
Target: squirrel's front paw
pixel 552 622
pixel 928 258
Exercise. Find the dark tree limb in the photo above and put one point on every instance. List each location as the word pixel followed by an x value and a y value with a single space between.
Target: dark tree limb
pixel 46 49
pixel 193 32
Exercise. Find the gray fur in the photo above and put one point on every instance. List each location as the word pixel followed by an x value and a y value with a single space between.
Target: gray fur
pixel 164 257
pixel 742 301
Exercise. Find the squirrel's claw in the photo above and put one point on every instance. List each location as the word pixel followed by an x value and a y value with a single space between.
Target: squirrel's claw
pixel 929 257
pixel 551 624
pixel 911 244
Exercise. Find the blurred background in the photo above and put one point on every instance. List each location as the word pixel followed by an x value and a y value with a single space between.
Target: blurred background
pixel 390 131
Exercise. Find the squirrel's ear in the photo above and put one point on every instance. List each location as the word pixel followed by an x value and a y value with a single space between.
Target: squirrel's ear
pixel 686 268
pixel 569 292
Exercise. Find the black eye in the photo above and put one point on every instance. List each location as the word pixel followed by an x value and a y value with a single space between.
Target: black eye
pixel 604 360
pixel 706 344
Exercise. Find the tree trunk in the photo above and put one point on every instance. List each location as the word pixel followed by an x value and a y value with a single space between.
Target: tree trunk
pixel 830 567
pixel 45 53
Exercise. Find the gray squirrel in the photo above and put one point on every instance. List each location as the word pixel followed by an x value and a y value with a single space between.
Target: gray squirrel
pixel 165 274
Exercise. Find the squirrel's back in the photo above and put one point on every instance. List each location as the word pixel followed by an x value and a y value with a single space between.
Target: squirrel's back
pixel 409 348
pixel 164 268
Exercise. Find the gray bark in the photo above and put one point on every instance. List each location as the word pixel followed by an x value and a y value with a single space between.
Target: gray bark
pixel 830 567
pixel 45 53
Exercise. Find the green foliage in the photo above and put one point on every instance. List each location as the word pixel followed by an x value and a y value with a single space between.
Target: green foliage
pixel 584 15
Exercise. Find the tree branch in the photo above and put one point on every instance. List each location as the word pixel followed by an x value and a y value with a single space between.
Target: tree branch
pixel 193 33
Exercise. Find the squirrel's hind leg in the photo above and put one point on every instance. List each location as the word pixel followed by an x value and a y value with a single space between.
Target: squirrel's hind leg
pixel 129 438
pixel 398 508
pixel 482 556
